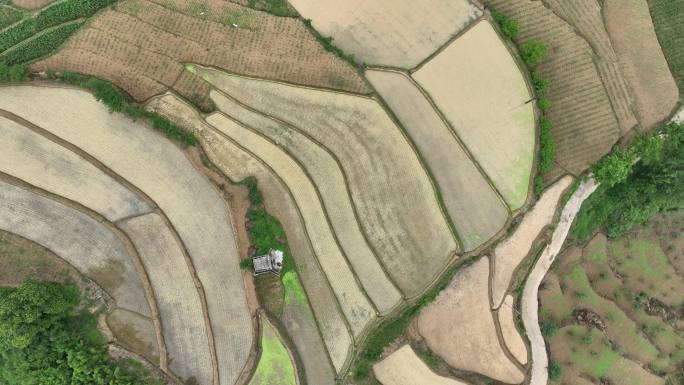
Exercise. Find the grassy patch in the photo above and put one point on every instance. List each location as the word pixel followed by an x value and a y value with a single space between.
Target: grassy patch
pixel 275 7
pixel 275 366
pixel 327 43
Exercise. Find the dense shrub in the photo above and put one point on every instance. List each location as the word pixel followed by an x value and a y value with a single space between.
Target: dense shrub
pixel 16 73
pixel 547 146
pixel 40 45
pixel 509 27
pixel 47 337
pixel 555 371
pixel 533 52
pixel 17 33
pixel 540 84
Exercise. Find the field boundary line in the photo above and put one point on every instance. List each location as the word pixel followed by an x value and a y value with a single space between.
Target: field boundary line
pixel 339 166
pixel 286 188
pixel 97 163
pixel 131 250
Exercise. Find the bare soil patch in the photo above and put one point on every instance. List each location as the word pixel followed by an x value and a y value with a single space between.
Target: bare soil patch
pixel 32 4
pixel 403 367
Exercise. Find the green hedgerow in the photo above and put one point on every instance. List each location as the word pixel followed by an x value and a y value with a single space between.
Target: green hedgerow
pixel 533 52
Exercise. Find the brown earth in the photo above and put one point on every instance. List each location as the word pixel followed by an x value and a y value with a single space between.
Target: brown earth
pixel 31 4
pixel 141 46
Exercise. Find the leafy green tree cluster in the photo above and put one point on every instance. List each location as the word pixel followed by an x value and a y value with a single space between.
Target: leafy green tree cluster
pixel 46 337
pixel 509 27
pixel 635 184
pixel 533 52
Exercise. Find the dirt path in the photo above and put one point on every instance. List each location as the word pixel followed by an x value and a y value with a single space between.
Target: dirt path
pixel 530 305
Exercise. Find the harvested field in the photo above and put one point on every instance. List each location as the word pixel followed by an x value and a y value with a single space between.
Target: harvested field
pixel 585 15
pixel 356 307
pixel 141 45
pixel 403 367
pixel 493 119
pixel 135 333
pixel 402 218
pixel 585 125
pixel 511 252
pixel 161 171
pixel 31 4
pixel 298 317
pixel 472 203
pixel 275 363
pixel 459 327
pixel 641 59
pixel 85 243
pixel 330 183
pixel 668 20
pixel 511 335
pixel 180 307
pixel 37 160
pixel 389 32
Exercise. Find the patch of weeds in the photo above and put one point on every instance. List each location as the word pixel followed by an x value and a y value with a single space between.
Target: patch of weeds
pixel 509 27
pixel 274 7
pixel 548 326
pixel 327 43
pixel 555 371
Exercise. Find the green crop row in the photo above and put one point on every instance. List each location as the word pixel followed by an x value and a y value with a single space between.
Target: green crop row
pixel 9 15
pixel 40 45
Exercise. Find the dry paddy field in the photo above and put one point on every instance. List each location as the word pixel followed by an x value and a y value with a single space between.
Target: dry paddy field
pixel 404 367
pixel 641 59
pixel 135 333
pixel 511 252
pixel 161 171
pixel 85 243
pixel 33 158
pixel 587 17
pixel 356 307
pixel 330 183
pixel 585 125
pixel 476 210
pixel 511 336
pixel 140 45
pixel 180 306
pixel 484 96
pixel 459 327
pixel 395 33
pixel 388 184
pixel 298 316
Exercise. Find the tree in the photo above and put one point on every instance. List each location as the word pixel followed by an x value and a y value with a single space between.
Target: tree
pixel 509 27
pixel 614 168
pixel 533 53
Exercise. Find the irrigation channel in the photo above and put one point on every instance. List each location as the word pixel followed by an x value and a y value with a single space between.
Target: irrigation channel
pixel 530 304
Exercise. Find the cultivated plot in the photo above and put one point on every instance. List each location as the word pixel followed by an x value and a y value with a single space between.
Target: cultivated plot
pixel 485 98
pixel 43 163
pixel 472 203
pixel 330 183
pixel 135 333
pixel 180 306
pixel 459 327
pixel 400 213
pixel 404 367
pixel 396 33
pixel 356 307
pixel 156 166
pixel 82 241
pixel 275 363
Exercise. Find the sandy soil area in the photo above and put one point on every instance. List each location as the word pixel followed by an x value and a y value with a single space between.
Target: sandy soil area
pixel 483 94
pixel 530 304
pixel 396 33
pixel 404 367
pixel 41 162
pixel 512 251
pixel 474 207
pixel 641 59
pixel 459 327
pixel 330 183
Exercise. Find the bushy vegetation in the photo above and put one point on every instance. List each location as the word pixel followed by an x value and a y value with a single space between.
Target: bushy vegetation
pixel 533 52
pixel 16 73
pixel 509 27
pixel 67 10
pixel 117 101
pixel 636 183
pixel 17 33
pixel 39 45
pixel 48 337
pixel 275 7
pixel 327 43
pixel 555 371
pixel 547 146
pixel 9 15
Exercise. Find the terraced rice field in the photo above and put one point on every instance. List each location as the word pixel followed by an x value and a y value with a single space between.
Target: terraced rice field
pixel 135 333
pixel 459 327
pixel 403 367
pixel 141 45
pixel 180 306
pixel 391 33
pixel 495 106
pixel 587 17
pixel 474 206
pixel 170 180
pixel 509 331
pixel 512 251
pixel 301 319
pixel 85 243
pixel 641 59
pixel 402 218
pixel 275 363
pixel 41 162
pixel 585 125
pixel 669 26
pixel 356 307
pixel 329 181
